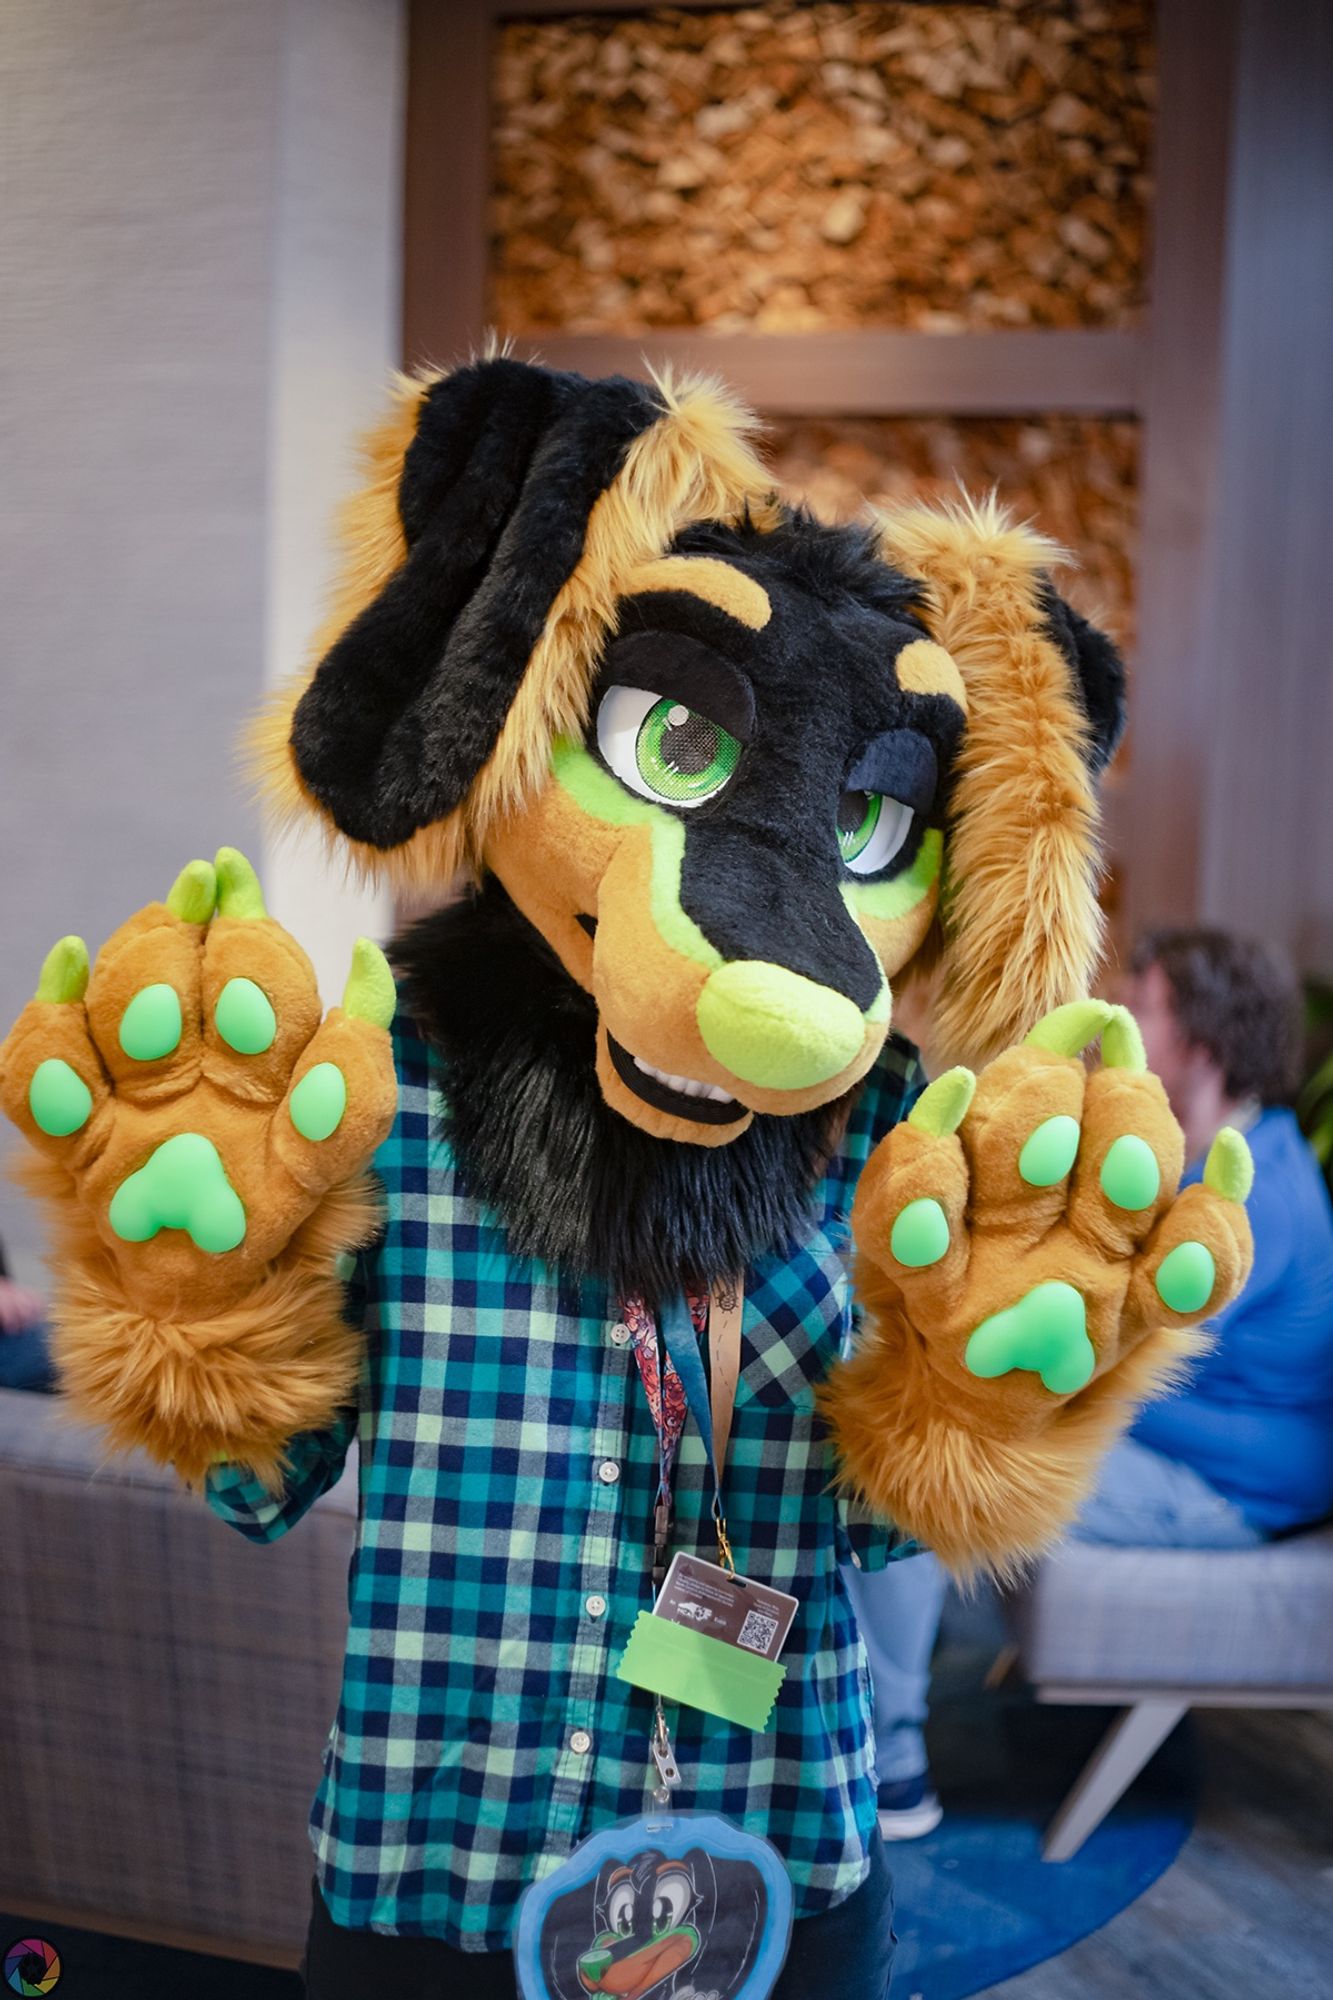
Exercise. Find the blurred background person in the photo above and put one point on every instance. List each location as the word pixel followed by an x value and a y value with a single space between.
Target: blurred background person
pixel 1243 1451
pixel 25 1357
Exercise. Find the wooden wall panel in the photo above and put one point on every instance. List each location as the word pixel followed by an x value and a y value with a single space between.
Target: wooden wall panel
pixel 790 169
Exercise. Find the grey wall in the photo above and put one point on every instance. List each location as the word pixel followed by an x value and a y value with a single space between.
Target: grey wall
pixel 1268 720
pixel 199 281
pixel 1226 811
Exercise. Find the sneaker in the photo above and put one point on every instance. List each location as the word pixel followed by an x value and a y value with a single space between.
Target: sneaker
pixel 908 1808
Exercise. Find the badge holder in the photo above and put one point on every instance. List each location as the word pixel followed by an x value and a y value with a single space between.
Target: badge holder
pixel 712 1637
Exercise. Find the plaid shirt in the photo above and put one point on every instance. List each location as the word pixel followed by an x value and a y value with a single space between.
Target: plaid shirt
pixel 508 1466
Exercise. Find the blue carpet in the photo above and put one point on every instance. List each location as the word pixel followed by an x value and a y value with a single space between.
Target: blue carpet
pixel 975 1901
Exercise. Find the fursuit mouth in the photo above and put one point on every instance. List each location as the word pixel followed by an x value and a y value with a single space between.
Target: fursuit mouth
pixel 682 1096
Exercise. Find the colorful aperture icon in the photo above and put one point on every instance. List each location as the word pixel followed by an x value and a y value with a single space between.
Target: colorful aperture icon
pixel 32 1966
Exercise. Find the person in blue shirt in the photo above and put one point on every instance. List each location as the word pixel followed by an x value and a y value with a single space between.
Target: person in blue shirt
pixel 1244 1449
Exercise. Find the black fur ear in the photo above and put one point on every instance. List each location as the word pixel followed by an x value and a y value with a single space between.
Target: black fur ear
pixel 1099 675
pixel 497 485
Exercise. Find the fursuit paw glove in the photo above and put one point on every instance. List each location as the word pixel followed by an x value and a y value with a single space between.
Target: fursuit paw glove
pixel 1029 1275
pixel 202 1141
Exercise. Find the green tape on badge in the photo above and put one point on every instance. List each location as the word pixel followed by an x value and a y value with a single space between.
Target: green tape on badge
pixel 681 1665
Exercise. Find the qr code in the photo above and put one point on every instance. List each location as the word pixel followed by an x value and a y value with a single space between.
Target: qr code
pixel 758 1632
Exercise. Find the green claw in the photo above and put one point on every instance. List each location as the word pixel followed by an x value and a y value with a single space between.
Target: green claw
pixel 1067 1030
pixel 239 893
pixel 942 1105
pixel 370 993
pixel 194 892
pixel 64 974
pixel 1229 1168
pixel 1122 1044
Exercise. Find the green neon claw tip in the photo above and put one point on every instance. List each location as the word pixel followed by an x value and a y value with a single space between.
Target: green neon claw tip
pixel 1229 1168
pixel 239 893
pixel 942 1105
pixel 1067 1030
pixel 64 974
pixel 1122 1044
pixel 193 893
pixel 370 993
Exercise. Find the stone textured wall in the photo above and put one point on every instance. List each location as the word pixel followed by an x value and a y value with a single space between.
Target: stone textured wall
pixel 1075 478
pixel 788 168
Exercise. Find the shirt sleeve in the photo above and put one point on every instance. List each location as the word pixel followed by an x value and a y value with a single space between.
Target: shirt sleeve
pixel 866 1541
pixel 315 1461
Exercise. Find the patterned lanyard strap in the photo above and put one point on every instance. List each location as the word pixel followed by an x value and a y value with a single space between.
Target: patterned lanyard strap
pixel 668 1401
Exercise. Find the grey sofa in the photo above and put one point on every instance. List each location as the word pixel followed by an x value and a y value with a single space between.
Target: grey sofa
pixel 1158 1631
pixel 165 1693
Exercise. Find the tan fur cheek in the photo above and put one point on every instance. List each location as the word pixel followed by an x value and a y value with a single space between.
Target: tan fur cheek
pixel 647 993
pixel 896 941
pixel 551 859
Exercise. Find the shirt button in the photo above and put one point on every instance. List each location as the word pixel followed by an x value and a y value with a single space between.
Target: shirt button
pixel 580 1742
pixel 856 1560
pixel 594 1605
pixel 619 1334
pixel 608 1472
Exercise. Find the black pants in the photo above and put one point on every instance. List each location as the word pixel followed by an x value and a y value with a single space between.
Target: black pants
pixel 845 1954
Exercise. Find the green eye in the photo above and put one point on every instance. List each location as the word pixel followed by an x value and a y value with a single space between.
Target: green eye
pixel 662 749
pixel 858 816
pixel 872 829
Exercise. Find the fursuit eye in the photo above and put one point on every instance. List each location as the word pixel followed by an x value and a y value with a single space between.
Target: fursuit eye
pixel 662 749
pixel 620 1909
pixel 672 1897
pixel 871 830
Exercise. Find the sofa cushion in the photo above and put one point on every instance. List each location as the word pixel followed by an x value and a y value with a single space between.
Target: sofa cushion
pixel 1185 1618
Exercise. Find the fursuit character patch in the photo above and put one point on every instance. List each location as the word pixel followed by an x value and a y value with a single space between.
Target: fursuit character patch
pixel 679 1908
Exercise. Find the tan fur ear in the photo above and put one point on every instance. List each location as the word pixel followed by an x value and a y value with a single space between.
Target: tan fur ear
pixel 693 462
pixel 1021 924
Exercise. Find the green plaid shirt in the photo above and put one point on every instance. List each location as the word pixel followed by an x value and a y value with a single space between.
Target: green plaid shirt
pixel 508 1467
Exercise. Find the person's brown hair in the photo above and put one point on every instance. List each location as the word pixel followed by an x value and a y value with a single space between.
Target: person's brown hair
pixel 1236 998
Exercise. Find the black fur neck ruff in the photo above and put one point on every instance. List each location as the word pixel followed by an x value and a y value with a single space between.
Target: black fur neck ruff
pixel 574 1183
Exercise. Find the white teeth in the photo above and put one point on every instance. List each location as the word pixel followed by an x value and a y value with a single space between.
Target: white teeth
pixel 686 1086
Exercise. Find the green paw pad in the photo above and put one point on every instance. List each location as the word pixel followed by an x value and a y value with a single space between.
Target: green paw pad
pixel 318 1101
pixel 1186 1278
pixel 1046 1333
pixel 59 1099
pixel 1050 1152
pixel 920 1235
pixel 183 1186
pixel 1130 1176
pixel 150 1027
pixel 244 1017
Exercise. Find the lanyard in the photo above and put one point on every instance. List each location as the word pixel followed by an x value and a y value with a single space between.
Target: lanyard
pixel 668 1408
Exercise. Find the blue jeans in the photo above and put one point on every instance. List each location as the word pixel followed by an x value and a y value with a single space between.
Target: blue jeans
pixel 1142 1500
pixel 25 1360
